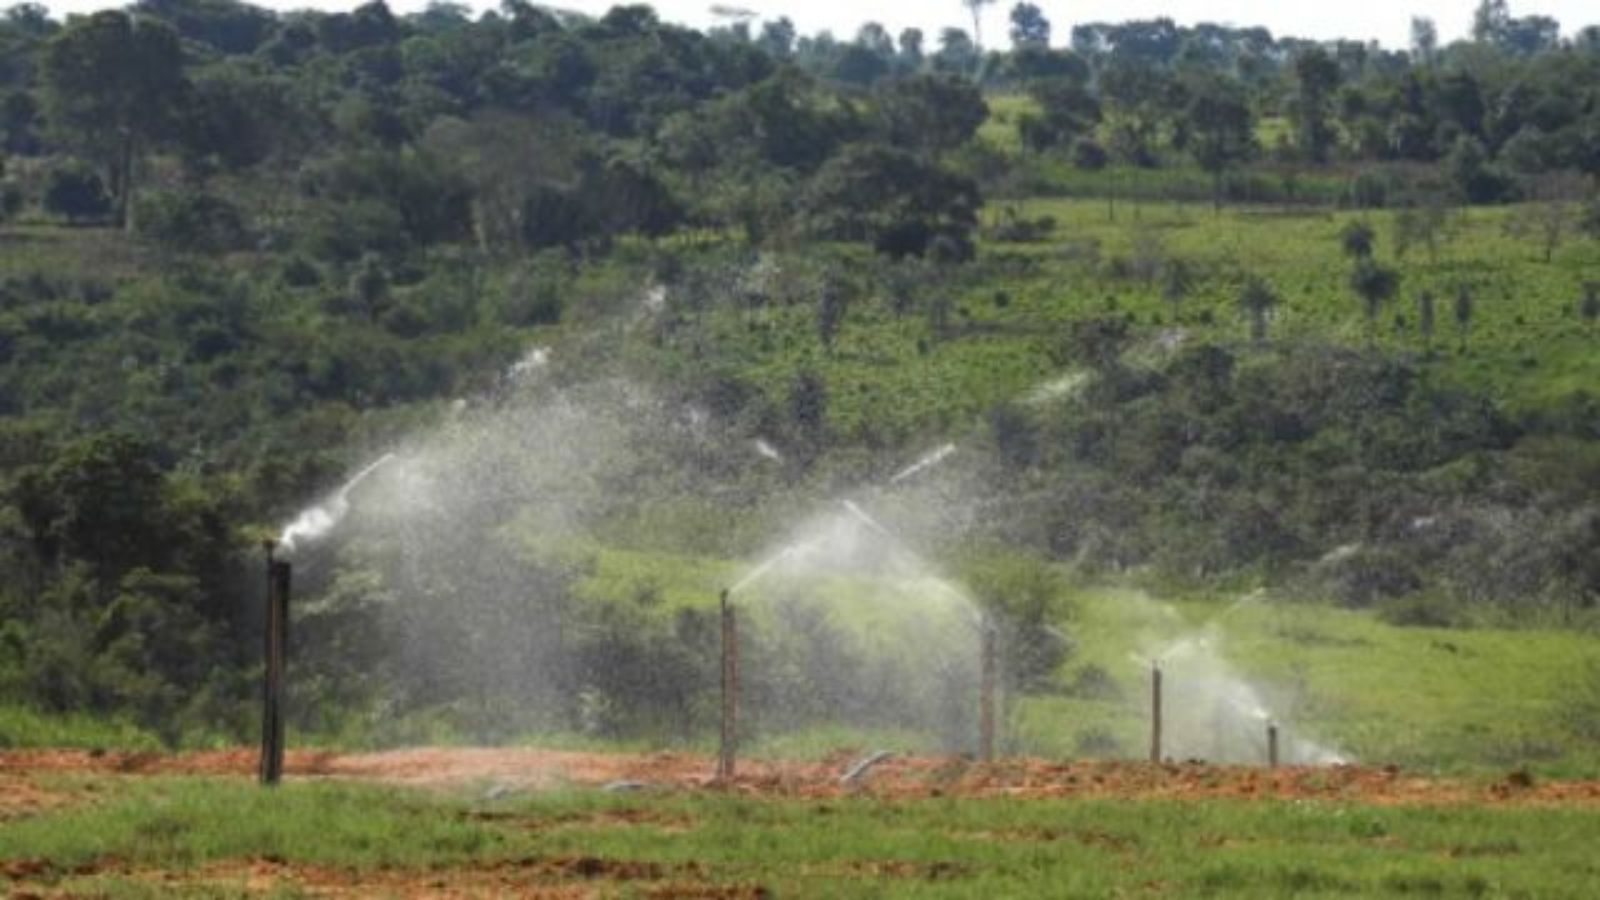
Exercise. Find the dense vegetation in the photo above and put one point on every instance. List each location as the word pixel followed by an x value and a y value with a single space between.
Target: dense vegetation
pixel 1320 316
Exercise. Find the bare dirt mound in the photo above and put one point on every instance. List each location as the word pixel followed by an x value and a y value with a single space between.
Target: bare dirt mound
pixel 531 768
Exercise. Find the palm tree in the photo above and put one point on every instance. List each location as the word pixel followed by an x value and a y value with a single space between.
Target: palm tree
pixel 976 8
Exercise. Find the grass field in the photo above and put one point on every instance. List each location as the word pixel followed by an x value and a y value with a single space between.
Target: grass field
pixel 146 837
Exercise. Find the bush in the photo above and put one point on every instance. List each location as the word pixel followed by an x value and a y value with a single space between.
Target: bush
pixel 74 192
pixel 11 200
pixel 192 221
pixel 1088 154
pixel 299 272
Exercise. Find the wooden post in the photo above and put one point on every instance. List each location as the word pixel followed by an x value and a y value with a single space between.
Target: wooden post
pixel 1155 712
pixel 1272 745
pixel 277 638
pixel 986 688
pixel 727 748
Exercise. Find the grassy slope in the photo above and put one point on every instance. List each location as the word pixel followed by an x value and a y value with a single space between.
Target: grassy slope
pixel 837 848
pixel 1429 698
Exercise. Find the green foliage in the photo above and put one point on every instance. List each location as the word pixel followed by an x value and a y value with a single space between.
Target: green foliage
pixel 75 193
pixel 192 221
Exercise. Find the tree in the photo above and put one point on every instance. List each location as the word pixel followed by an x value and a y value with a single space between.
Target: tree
pixel 1425 318
pixel 1375 285
pixel 1489 21
pixel 930 113
pixel 1029 27
pixel 896 201
pixel 1177 282
pixel 1257 299
pixel 1316 82
pixel 1590 307
pixel 975 7
pixel 833 302
pixel 1463 311
pixel 1220 130
pixel 76 193
pixel 1426 222
pixel 369 286
pixel 957 54
pixel 112 83
pixel 1067 111
pixel 1356 238
pixel 1424 40
pixel 1546 222
pixel 777 38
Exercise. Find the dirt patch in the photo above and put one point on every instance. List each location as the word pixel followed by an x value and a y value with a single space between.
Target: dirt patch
pixel 539 877
pixel 901 776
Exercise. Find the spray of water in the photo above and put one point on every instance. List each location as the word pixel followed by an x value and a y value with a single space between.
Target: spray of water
pixel 928 461
pixel 765 449
pixel 315 522
pixel 1213 711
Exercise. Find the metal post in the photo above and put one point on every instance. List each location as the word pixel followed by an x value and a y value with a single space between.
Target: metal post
pixel 986 688
pixel 728 746
pixel 1272 745
pixel 1155 712
pixel 277 638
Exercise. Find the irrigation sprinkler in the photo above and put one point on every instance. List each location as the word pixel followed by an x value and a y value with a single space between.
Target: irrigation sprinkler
pixel 727 748
pixel 277 638
pixel 1155 712
pixel 989 666
pixel 1272 745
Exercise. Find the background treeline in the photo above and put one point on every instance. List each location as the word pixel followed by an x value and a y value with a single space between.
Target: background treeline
pixel 244 251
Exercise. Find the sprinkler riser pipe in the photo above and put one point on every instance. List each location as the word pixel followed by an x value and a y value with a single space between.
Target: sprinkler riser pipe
pixel 1155 714
pixel 274 650
pixel 727 747
pixel 989 669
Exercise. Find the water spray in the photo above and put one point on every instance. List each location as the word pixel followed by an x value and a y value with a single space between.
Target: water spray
pixel 316 522
pixel 927 462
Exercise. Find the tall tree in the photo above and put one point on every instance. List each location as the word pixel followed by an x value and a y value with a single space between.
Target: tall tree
pixel 1424 40
pixel 112 84
pixel 975 7
pixel 1029 27
pixel 1220 129
pixel 1316 76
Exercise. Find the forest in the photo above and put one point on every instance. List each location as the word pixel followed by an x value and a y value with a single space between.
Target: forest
pixel 1207 309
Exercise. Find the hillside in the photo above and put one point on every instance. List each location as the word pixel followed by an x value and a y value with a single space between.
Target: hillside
pixel 607 312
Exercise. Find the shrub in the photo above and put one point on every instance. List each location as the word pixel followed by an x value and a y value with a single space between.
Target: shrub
pixel 74 192
pixel 192 221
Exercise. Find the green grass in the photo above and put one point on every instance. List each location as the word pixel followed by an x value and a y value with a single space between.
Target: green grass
pixel 843 847
pixel 23 727
pixel 1526 345
pixel 1452 700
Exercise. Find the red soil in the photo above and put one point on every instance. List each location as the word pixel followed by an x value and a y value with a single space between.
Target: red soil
pixel 896 777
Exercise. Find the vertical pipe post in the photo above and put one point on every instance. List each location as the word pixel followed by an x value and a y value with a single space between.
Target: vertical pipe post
pixel 275 645
pixel 1272 745
pixel 727 744
pixel 989 676
pixel 1155 712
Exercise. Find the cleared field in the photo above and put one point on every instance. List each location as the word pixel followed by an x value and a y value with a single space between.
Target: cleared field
pixel 531 822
